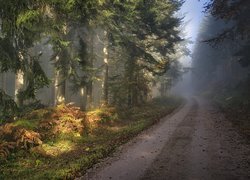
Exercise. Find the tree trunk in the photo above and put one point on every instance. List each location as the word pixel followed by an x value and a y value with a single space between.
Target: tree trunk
pixel 106 70
pixel 129 96
pixel 89 96
pixel 60 86
pixel 3 83
pixel 135 89
pixel 19 85
pixel 89 89
pixel 131 81
pixel 19 82
pixel 84 97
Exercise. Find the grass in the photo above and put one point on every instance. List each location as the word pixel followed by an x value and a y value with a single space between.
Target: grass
pixel 237 110
pixel 68 155
pixel 25 123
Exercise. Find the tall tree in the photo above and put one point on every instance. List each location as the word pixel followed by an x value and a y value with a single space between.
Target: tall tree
pixel 236 13
pixel 20 28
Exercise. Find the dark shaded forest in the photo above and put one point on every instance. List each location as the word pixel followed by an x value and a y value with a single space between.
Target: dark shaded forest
pixel 221 60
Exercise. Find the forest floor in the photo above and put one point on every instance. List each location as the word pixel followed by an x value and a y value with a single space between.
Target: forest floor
pixel 63 142
pixel 196 142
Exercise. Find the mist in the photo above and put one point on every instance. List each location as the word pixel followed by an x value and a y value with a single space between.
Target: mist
pixel 124 89
pixel 217 67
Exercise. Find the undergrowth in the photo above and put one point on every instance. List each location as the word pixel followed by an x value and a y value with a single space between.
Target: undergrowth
pixel 235 104
pixel 63 142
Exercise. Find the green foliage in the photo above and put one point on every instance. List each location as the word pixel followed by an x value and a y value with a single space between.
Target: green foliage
pixel 140 29
pixel 29 18
pixel 235 104
pixel 27 124
pixel 235 14
pixel 35 79
pixel 148 31
pixel 107 115
pixel 8 55
pixel 8 107
pixel 22 25
pixel 65 156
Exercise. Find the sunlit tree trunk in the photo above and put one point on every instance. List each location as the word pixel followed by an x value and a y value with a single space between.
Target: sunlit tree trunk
pixel 60 89
pixel 84 97
pixel 60 86
pixel 89 96
pixel 106 70
pixel 19 83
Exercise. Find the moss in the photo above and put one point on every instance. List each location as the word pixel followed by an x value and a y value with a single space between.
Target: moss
pixel 39 114
pixel 27 124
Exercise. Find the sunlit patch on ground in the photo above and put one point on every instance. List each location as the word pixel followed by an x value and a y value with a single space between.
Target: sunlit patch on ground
pixel 115 128
pixel 58 148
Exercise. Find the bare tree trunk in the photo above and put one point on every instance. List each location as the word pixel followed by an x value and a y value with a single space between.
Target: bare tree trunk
pixel 3 81
pixel 60 87
pixel 89 89
pixel 19 85
pixel 84 98
pixel 129 96
pixel 89 96
pixel 135 91
pixel 106 91
pixel 106 70
pixel 131 80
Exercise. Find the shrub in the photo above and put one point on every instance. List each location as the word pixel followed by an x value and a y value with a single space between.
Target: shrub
pixel 8 108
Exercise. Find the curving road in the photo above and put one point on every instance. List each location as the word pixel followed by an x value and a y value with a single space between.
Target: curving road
pixel 195 143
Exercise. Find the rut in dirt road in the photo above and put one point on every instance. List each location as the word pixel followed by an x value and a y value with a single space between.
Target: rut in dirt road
pixel 194 143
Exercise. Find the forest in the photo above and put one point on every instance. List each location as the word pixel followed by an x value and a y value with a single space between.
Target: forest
pixel 221 64
pixel 81 78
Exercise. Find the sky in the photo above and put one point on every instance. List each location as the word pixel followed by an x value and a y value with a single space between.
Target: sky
pixel 192 9
pixel 193 13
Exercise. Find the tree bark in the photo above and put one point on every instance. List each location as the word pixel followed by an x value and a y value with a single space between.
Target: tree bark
pixel 106 70
pixel 19 85
pixel 84 97
pixel 135 91
pixel 131 81
pixel 3 84
pixel 89 89
pixel 60 86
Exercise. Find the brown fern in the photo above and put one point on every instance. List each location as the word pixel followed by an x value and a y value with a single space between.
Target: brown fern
pixel 5 149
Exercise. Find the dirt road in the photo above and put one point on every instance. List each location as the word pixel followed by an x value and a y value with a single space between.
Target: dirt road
pixel 195 143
